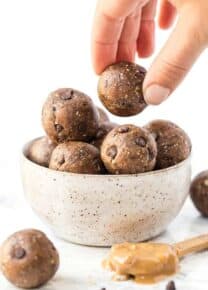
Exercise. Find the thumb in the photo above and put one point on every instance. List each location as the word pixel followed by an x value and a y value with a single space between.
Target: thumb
pixel 175 60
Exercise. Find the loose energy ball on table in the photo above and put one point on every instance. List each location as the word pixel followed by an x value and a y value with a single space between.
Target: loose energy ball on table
pixel 120 88
pixel 199 192
pixel 77 157
pixel 103 117
pixel 69 115
pixel 28 259
pixel 40 151
pixel 128 149
pixel 173 144
pixel 103 130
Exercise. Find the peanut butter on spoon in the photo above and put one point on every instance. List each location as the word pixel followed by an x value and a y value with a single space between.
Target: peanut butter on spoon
pixel 150 262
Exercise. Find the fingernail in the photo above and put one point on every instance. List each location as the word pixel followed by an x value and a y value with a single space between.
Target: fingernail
pixel 156 94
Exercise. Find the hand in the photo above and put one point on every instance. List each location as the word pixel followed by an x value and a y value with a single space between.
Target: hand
pixel 124 27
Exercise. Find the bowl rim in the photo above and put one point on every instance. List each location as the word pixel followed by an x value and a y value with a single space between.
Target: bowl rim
pixel 148 173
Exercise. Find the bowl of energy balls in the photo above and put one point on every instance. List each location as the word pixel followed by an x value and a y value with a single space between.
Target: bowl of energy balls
pixel 98 183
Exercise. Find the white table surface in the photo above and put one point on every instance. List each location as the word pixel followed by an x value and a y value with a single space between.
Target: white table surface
pixel 80 267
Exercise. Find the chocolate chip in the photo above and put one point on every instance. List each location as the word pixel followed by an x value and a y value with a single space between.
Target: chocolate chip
pixel 96 164
pixel 82 127
pixel 112 152
pixel 141 141
pixel 142 70
pixel 58 128
pixel 54 108
pixel 103 288
pixel 61 161
pixel 171 286
pixel 151 154
pixel 67 95
pixel 123 129
pixel 100 133
pixel 19 253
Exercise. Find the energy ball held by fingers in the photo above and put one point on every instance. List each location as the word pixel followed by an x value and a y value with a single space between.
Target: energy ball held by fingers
pixel 199 192
pixel 173 144
pixel 128 149
pixel 40 151
pixel 28 259
pixel 103 130
pixel 69 115
pixel 120 89
pixel 77 157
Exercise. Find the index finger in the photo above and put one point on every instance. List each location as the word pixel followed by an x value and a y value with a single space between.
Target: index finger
pixel 107 28
pixel 106 33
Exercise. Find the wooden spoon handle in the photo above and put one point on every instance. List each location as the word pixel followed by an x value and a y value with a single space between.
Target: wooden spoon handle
pixel 190 246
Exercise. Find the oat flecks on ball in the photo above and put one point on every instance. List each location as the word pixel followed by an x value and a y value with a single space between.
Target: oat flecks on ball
pixel 77 157
pixel 28 259
pixel 69 115
pixel 103 130
pixel 173 144
pixel 40 151
pixel 128 149
pixel 103 117
pixel 199 192
pixel 120 88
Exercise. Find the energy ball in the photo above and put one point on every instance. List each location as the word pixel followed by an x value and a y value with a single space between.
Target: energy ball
pixel 199 192
pixel 128 149
pixel 28 259
pixel 77 157
pixel 40 151
pixel 103 117
pixel 103 130
pixel 69 115
pixel 173 144
pixel 120 88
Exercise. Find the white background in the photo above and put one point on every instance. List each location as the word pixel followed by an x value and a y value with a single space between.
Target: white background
pixel 45 45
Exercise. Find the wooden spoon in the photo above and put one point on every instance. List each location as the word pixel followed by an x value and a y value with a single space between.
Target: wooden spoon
pixel 150 262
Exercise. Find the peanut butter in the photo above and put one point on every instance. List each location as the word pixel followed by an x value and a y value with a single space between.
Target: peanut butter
pixel 145 262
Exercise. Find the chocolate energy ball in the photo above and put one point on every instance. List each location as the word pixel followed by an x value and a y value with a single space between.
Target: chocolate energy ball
pixel 40 151
pixel 103 117
pixel 128 149
pixel 199 192
pixel 28 259
pixel 69 115
pixel 77 157
pixel 173 144
pixel 103 130
pixel 120 88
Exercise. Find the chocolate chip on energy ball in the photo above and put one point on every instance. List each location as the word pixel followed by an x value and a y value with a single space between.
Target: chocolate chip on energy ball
pixel 199 192
pixel 123 129
pixel 75 117
pixel 78 157
pixel 128 153
pixel 58 128
pixel 67 95
pixel 140 141
pixel 173 144
pixel 18 253
pixel 171 286
pixel 28 259
pixel 120 88
pixel 112 152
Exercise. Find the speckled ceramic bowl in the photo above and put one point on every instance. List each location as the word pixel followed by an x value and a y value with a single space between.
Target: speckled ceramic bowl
pixel 100 210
